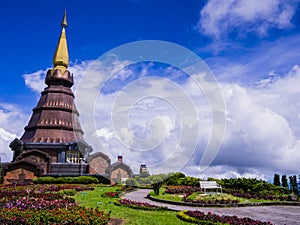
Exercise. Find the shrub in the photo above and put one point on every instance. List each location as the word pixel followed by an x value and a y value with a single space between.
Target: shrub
pixel 131 182
pixel 251 186
pixel 87 180
pixel 44 180
pixel 210 219
pixel 66 180
pixel 173 179
pixel 180 179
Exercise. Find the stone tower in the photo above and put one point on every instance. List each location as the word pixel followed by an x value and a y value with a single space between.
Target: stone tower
pixel 53 139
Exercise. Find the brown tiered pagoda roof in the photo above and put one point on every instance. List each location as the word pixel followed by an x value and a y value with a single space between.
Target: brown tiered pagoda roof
pixel 55 118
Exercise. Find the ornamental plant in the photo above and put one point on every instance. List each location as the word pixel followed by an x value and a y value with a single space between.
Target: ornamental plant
pixel 139 205
pixel 73 215
pixel 111 194
pixel 46 204
pixel 181 189
pixel 210 218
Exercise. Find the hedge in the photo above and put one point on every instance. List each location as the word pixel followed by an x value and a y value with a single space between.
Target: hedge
pixel 66 180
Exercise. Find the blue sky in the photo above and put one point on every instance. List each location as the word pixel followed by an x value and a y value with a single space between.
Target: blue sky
pixel 252 48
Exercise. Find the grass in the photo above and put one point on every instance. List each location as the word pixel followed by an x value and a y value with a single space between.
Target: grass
pixel 164 196
pixel 93 199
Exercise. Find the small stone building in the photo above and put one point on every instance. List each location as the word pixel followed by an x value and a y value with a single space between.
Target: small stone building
pixel 98 163
pixel 119 170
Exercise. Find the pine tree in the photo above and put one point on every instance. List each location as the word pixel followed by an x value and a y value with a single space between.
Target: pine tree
pixel 291 183
pixel 295 185
pixel 284 181
pixel 276 179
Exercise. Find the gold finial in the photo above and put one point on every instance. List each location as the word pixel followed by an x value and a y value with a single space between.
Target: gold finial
pixel 61 55
pixel 64 22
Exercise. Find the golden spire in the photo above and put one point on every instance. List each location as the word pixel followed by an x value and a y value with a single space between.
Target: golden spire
pixel 61 55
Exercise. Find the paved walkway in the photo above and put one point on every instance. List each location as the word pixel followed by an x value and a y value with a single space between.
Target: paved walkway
pixel 278 215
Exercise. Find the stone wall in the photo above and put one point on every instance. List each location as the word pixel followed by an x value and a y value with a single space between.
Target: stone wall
pixel 15 175
pixel 119 173
pixel 40 161
pixel 98 164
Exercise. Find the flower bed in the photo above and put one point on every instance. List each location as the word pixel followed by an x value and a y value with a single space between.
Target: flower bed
pixel 73 215
pixel 181 189
pixel 210 218
pixel 46 205
pixel 111 194
pixel 36 197
pixel 261 196
pixel 139 205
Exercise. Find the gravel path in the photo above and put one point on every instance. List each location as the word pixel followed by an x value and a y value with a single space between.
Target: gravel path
pixel 278 215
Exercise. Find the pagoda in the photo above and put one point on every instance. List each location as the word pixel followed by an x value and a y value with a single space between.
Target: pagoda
pixel 53 142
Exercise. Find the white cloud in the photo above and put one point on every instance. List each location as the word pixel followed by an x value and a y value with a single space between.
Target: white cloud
pixel 35 81
pixel 219 18
pixel 264 62
pixel 262 135
pixel 12 122
pixel 256 135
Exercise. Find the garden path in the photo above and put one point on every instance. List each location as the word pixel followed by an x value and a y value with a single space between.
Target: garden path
pixel 278 215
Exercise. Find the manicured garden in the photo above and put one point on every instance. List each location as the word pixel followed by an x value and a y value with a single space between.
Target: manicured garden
pixel 49 203
pixel 133 213
pixel 144 213
pixel 189 194
pixel 239 191
pixel 91 204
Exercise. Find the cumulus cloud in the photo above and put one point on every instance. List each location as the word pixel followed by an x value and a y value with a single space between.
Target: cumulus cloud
pixel 35 81
pixel 258 132
pixel 254 132
pixel 219 18
pixel 10 114
pixel 261 63
pixel 262 134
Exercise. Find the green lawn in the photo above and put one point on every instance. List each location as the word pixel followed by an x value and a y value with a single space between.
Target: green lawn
pixel 164 196
pixel 93 199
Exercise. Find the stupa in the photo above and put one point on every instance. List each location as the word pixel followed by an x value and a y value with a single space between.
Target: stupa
pixel 53 140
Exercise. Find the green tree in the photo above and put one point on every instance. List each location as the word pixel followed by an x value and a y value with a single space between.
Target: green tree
pixel 156 182
pixel 131 182
pixel 276 179
pixel 284 181
pixel 145 174
pixel 295 185
pixel 174 178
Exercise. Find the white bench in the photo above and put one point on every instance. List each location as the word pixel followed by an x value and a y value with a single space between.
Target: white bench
pixel 209 185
